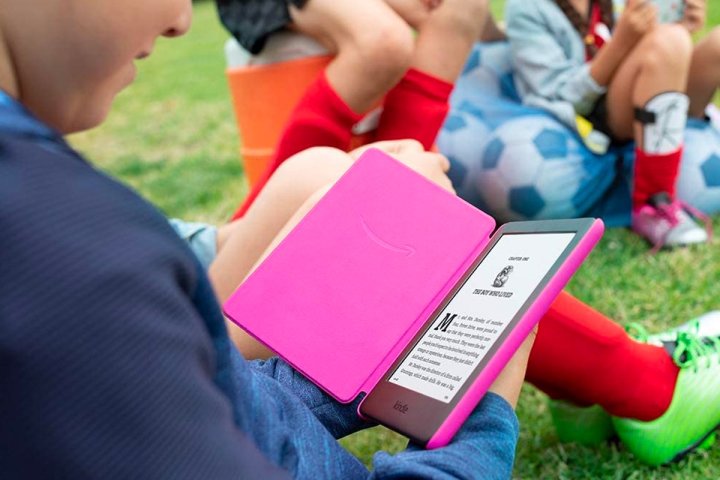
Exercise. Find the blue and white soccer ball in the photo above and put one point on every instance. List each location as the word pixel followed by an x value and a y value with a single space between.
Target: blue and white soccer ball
pixel 531 167
pixel 487 72
pixel 518 163
pixel 462 137
pixel 699 181
pixel 512 161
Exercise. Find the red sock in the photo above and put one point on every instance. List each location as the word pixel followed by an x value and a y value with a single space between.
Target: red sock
pixel 321 119
pixel 655 173
pixel 585 358
pixel 415 108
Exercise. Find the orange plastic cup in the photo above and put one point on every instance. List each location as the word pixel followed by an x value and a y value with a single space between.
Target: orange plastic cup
pixel 263 98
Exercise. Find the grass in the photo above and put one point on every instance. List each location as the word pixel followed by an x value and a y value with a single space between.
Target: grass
pixel 172 136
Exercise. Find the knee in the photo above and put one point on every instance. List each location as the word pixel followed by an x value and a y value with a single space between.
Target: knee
pixel 465 19
pixel 668 48
pixel 384 49
pixel 314 167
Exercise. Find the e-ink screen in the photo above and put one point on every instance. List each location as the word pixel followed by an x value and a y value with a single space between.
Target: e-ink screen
pixel 459 338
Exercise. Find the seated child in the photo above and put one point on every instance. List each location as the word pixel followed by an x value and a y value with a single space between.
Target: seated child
pixel 630 79
pixel 376 56
pixel 662 391
pixel 607 366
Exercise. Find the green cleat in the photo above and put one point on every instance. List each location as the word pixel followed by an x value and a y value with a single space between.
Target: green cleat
pixel 706 325
pixel 694 413
pixel 591 425
pixel 587 426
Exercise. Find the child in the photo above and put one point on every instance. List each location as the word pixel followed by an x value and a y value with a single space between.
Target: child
pixel 582 357
pixel 376 56
pixel 663 393
pixel 115 361
pixel 633 79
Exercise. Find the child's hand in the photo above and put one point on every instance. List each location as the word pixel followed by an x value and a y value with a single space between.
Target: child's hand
pixel 432 166
pixel 510 381
pixel 391 147
pixel 638 18
pixel 695 15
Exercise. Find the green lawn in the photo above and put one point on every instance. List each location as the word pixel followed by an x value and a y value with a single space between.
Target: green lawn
pixel 172 136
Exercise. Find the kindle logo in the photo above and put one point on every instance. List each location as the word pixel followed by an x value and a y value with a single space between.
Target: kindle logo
pixel 400 407
pixel 406 250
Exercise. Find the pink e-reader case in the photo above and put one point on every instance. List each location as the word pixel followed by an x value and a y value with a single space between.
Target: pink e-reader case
pixel 346 290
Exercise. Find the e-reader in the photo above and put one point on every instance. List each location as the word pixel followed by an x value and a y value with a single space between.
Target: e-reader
pixel 442 374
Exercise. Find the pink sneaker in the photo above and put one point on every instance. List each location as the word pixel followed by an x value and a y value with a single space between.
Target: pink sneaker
pixel 670 223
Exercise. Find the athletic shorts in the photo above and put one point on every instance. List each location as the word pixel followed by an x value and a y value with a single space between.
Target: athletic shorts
pixel 599 117
pixel 601 122
pixel 251 22
pixel 200 237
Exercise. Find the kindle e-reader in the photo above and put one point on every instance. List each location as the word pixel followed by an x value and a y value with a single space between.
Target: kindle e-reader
pixel 386 254
pixel 444 371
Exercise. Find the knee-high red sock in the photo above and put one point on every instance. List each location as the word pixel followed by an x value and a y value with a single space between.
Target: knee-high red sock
pixel 654 173
pixel 320 119
pixel 415 108
pixel 583 357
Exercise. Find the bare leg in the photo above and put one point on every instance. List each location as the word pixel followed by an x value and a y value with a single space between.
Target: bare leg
pixel 653 80
pixel 418 105
pixel 414 12
pixel 242 242
pixel 279 206
pixel 373 44
pixel 491 31
pixel 704 77
pixel 447 36
pixel 659 63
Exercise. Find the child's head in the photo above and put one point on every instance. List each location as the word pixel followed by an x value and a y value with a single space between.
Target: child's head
pixel 66 60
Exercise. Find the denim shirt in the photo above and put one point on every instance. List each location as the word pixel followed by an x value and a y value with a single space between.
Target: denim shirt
pixel 548 58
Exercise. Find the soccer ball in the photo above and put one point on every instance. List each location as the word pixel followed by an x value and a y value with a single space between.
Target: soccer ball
pixel 699 181
pixel 487 70
pixel 532 168
pixel 516 162
pixel 463 135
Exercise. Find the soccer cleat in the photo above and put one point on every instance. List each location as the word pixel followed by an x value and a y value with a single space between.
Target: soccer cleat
pixel 587 426
pixel 706 325
pixel 669 223
pixel 694 413
pixel 592 425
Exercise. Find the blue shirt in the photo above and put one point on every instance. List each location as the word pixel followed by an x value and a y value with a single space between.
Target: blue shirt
pixel 548 59
pixel 115 361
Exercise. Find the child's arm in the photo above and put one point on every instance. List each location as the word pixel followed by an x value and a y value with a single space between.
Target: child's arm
pixel 544 67
pixel 485 445
pixel 289 409
pixel 639 17
pixel 541 64
pixel 484 448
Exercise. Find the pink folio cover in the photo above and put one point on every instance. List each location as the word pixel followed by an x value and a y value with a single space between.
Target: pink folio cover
pixel 515 338
pixel 342 293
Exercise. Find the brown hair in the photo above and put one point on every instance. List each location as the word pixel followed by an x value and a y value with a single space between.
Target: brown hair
pixel 582 24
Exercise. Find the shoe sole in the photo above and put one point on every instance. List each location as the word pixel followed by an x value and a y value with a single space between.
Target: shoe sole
pixel 694 446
